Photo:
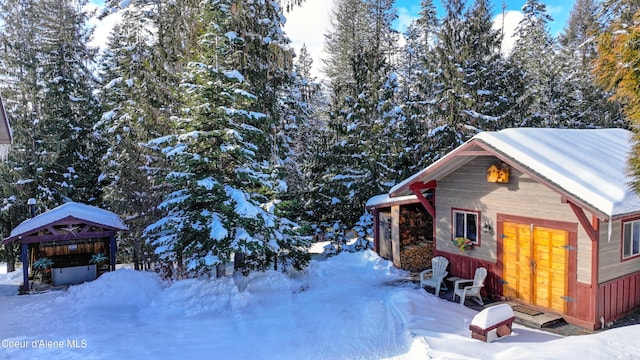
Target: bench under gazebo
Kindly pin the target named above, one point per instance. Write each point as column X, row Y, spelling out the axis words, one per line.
column 77, row 240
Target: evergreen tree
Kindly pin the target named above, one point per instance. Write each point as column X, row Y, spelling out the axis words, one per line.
column 417, row 89
column 59, row 104
column 488, row 80
column 305, row 102
column 363, row 116
column 348, row 21
column 617, row 64
column 138, row 110
column 588, row 105
column 474, row 88
column 618, row 11
column 48, row 91
column 449, row 85
column 534, row 51
column 20, row 84
column 580, row 31
column 69, row 109
column 224, row 153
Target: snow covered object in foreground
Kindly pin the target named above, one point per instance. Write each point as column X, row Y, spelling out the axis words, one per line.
column 493, row 322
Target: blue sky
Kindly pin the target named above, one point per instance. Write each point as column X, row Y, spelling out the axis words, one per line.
column 558, row 9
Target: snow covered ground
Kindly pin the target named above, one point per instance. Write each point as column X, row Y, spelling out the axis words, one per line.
column 353, row 306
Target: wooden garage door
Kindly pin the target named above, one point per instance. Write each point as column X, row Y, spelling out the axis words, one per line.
column 535, row 265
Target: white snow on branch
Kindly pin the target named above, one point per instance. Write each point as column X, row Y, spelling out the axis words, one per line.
column 234, row 74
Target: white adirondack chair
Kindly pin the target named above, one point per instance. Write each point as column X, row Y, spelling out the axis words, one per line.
column 434, row 277
column 472, row 290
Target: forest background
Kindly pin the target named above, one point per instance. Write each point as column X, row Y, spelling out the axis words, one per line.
column 211, row 136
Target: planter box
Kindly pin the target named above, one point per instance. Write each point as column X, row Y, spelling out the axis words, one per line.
column 73, row 275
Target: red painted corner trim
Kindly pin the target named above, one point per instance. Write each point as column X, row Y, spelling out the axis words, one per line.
column 419, row 185
column 425, row 203
column 583, row 220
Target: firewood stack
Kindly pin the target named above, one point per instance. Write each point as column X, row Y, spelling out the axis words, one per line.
column 416, row 258
column 416, row 242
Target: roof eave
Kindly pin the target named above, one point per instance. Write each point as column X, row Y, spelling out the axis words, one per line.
column 439, row 169
column 66, row 219
column 391, row 201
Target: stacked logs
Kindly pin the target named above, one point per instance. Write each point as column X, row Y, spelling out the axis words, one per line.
column 416, row 258
column 416, row 242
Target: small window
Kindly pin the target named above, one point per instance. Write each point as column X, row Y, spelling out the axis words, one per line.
column 631, row 239
column 465, row 225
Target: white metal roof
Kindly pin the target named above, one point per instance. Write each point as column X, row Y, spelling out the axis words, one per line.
column 588, row 164
column 79, row 211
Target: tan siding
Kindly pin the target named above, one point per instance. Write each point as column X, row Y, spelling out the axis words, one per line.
column 467, row 188
column 611, row 266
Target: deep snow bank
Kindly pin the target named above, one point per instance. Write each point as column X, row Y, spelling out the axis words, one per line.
column 340, row 308
column 195, row 297
column 120, row 288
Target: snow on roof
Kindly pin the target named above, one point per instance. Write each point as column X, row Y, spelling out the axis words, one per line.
column 590, row 164
column 386, row 199
column 71, row 209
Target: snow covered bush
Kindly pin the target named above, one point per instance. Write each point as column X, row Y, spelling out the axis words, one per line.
column 364, row 232
column 341, row 239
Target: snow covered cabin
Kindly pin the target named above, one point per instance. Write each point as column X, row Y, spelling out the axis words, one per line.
column 549, row 212
column 69, row 235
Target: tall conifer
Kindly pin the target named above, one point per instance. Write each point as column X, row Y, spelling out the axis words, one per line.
column 225, row 152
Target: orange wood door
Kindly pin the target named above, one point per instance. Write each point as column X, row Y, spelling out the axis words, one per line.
column 535, row 265
column 517, row 261
column 550, row 268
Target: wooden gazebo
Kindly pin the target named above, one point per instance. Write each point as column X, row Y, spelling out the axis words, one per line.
column 69, row 235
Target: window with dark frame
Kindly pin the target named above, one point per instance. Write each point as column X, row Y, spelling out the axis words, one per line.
column 630, row 239
column 466, row 225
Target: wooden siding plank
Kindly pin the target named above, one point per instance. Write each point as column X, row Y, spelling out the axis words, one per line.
column 611, row 265
column 619, row 297
column 583, row 308
column 395, row 235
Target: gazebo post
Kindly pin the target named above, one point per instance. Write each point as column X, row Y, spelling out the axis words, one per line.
column 24, row 257
column 112, row 249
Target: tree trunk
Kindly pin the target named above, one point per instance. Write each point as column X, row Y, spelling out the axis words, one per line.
column 238, row 261
column 11, row 257
column 136, row 255
column 11, row 264
column 221, row 270
column 179, row 265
